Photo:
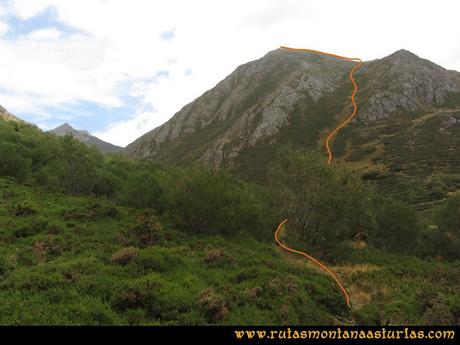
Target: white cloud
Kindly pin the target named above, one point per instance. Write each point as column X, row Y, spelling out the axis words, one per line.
column 120, row 49
column 125, row 131
column 27, row 9
column 3, row 28
column 45, row 34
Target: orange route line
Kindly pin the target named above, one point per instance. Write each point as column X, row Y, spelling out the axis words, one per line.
column 319, row 263
column 355, row 90
column 329, row 161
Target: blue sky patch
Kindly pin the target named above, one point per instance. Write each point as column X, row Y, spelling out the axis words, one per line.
column 168, row 35
column 48, row 18
column 90, row 116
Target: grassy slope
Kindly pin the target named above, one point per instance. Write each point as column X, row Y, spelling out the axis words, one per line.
column 56, row 267
column 406, row 151
column 416, row 163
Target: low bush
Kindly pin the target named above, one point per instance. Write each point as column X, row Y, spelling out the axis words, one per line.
column 13, row 163
column 210, row 202
column 124, row 255
column 399, row 227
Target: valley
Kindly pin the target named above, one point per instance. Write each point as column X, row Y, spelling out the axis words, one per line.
column 177, row 228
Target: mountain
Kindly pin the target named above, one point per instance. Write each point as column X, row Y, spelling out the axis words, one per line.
column 407, row 128
column 91, row 240
column 6, row 116
column 85, row 137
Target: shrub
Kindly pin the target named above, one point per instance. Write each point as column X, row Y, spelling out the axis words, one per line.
column 22, row 210
column 447, row 218
column 218, row 258
column 211, row 202
column 371, row 175
column 148, row 231
column 144, row 190
column 159, row 259
column 161, row 300
column 212, row 305
column 93, row 211
column 32, row 228
column 74, row 170
column 399, row 227
column 106, row 184
column 324, row 205
column 124, row 255
column 12, row 163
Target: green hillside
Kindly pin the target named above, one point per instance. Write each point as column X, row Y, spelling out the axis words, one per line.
column 412, row 157
column 93, row 239
column 405, row 138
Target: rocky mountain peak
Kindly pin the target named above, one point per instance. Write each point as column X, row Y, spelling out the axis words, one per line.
column 402, row 54
column 403, row 82
column 65, row 127
column 251, row 104
column 85, row 137
column 261, row 98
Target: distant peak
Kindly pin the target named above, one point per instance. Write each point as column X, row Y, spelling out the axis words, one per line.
column 65, row 128
column 402, row 54
column 65, row 125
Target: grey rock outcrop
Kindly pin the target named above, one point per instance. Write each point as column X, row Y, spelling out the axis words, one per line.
column 251, row 104
column 404, row 82
column 448, row 123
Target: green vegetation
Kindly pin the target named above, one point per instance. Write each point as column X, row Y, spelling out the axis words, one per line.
column 321, row 217
column 93, row 239
column 453, row 100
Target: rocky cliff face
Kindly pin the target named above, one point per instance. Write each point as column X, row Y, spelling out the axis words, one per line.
column 404, row 82
column 85, row 137
column 258, row 100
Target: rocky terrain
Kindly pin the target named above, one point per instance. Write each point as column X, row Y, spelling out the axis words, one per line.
column 259, row 98
column 251, row 104
column 404, row 82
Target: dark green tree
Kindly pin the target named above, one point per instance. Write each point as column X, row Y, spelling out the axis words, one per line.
column 399, row 227
column 12, row 162
column 325, row 205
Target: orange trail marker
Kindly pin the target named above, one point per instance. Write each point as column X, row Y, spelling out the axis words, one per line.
column 329, row 161
column 319, row 263
column 331, row 135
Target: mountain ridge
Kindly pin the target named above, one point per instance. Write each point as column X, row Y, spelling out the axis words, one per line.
column 308, row 77
column 404, row 136
column 7, row 116
column 85, row 137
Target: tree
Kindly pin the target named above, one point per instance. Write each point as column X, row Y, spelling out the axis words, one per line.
column 447, row 216
column 325, row 205
column 12, row 163
column 205, row 201
column 399, row 227
column 447, row 219
column 75, row 166
column 145, row 189
column 106, row 184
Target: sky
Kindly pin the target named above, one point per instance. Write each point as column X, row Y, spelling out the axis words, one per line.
column 120, row 68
